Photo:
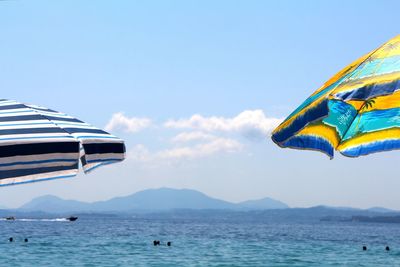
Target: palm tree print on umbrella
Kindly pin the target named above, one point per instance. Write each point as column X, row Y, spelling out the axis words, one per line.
column 369, row 103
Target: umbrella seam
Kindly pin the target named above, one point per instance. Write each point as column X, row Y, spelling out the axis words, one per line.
column 330, row 96
column 69, row 134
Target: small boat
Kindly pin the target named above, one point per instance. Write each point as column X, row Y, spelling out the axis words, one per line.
column 72, row 218
column 11, row 218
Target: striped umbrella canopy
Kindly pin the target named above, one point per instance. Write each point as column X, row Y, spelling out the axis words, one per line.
column 39, row 144
column 356, row 112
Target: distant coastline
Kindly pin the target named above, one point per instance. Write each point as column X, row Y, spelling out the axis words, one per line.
column 189, row 204
column 161, row 199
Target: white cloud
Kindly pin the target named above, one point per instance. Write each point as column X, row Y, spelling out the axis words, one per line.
column 139, row 153
column 202, row 150
column 218, row 145
column 192, row 136
column 132, row 125
column 251, row 123
column 206, row 136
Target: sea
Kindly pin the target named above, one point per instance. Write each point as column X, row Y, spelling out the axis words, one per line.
column 95, row 240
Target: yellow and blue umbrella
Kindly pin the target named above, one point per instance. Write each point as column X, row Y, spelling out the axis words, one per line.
column 356, row 112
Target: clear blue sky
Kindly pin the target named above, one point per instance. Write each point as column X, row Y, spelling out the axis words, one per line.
column 168, row 60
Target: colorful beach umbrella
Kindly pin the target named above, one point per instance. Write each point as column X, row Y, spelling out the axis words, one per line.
column 39, row 144
column 356, row 112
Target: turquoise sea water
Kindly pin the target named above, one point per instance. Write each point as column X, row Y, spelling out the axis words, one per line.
column 128, row 241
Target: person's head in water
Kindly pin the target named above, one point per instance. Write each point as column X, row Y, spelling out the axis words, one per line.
column 26, row 240
column 155, row 242
column 364, row 248
column 387, row 248
column 11, row 239
column 169, row 243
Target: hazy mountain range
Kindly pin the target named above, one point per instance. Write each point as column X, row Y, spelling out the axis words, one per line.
column 185, row 203
column 162, row 199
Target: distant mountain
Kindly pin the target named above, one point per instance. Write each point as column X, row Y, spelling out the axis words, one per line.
column 53, row 204
column 263, row 204
column 381, row 210
column 148, row 200
column 193, row 205
column 373, row 209
column 162, row 199
column 173, row 200
column 338, row 208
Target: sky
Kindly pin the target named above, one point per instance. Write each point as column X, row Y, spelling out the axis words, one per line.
column 195, row 89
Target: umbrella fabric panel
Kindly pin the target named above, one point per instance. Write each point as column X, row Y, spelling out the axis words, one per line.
column 355, row 112
column 18, row 123
column 376, row 127
column 324, row 135
column 29, row 162
column 32, row 148
column 97, row 146
column 314, row 107
column 38, row 144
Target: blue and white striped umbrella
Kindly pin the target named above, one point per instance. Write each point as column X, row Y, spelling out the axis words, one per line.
column 39, row 144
